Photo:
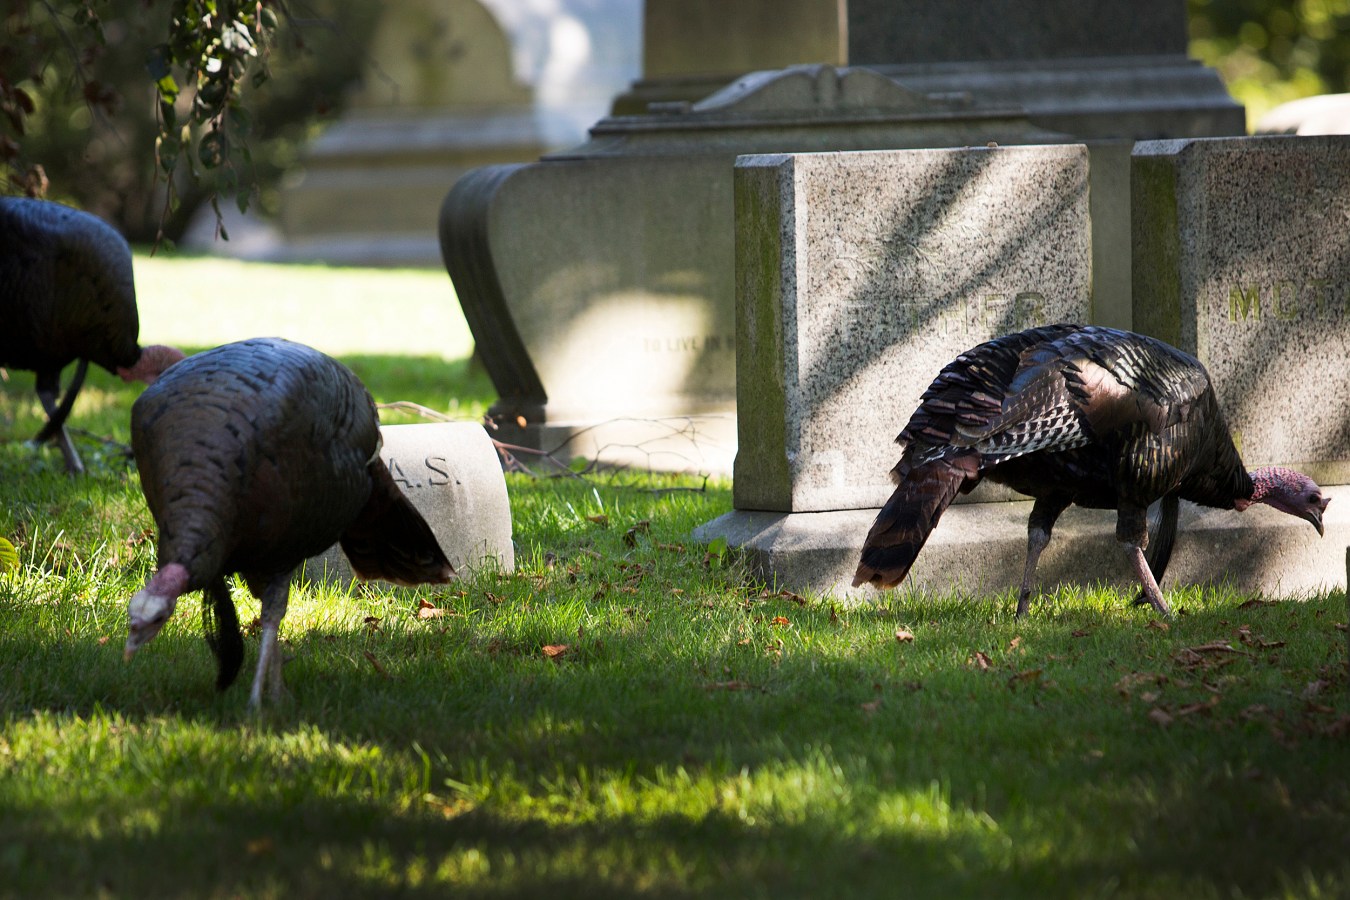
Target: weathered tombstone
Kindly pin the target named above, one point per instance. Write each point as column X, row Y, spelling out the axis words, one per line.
column 859, row 275
column 1241, row 259
column 599, row 283
column 439, row 99
column 1237, row 261
column 451, row 472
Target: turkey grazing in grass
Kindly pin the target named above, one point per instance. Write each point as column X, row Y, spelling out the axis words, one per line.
column 1073, row 414
column 253, row 457
column 67, row 295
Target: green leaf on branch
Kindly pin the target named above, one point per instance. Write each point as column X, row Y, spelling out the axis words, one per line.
column 9, row 556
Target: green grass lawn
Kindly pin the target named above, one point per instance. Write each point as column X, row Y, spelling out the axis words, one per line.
column 627, row 714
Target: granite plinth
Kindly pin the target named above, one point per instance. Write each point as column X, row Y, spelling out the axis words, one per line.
column 980, row 549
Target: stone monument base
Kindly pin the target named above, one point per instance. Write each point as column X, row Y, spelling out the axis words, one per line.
column 980, row 548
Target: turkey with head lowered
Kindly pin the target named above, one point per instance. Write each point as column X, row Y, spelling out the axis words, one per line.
column 67, row 295
column 1072, row 414
column 255, row 456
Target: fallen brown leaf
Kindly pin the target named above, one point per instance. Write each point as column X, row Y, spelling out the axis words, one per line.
column 259, row 846
column 1158, row 626
column 599, row 519
column 1026, row 677
column 372, row 622
column 1150, row 696
column 904, row 636
column 1137, row 679
column 980, row 660
column 1079, row 633
column 1160, row 715
column 555, row 651
column 1204, row 706
column 1015, row 642
column 103, row 640
column 781, row 622
column 375, row 663
column 734, row 685
column 630, row 536
column 871, row 706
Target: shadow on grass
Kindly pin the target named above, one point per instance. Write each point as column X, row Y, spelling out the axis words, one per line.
column 638, row 765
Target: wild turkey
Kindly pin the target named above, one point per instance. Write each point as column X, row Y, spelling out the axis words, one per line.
column 67, row 295
column 253, row 457
column 1072, row 414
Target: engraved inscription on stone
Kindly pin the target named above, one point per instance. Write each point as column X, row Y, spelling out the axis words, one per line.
column 1286, row 300
column 978, row 316
column 433, row 472
column 713, row 343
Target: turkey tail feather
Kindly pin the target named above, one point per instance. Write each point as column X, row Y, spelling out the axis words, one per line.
column 220, row 622
column 1164, row 536
column 390, row 540
column 909, row 516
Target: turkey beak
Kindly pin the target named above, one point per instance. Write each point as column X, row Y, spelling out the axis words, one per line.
column 1314, row 515
column 148, row 613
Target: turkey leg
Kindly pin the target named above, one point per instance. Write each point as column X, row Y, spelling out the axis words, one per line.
column 1132, row 531
column 1039, row 525
column 1151, row 591
column 48, row 386
column 274, row 598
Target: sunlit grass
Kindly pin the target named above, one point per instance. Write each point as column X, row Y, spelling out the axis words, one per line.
column 339, row 310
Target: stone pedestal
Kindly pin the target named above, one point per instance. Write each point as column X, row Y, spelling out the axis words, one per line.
column 978, row 549
column 452, row 474
column 694, row 48
column 1234, row 263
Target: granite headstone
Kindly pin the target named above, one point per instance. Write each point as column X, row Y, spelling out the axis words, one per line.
column 1242, row 257
column 452, row 473
column 859, row 275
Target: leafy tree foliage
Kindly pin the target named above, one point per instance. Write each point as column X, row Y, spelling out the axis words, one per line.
column 141, row 110
column 1273, row 51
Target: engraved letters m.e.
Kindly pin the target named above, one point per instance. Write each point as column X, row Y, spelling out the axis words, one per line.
column 1284, row 300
